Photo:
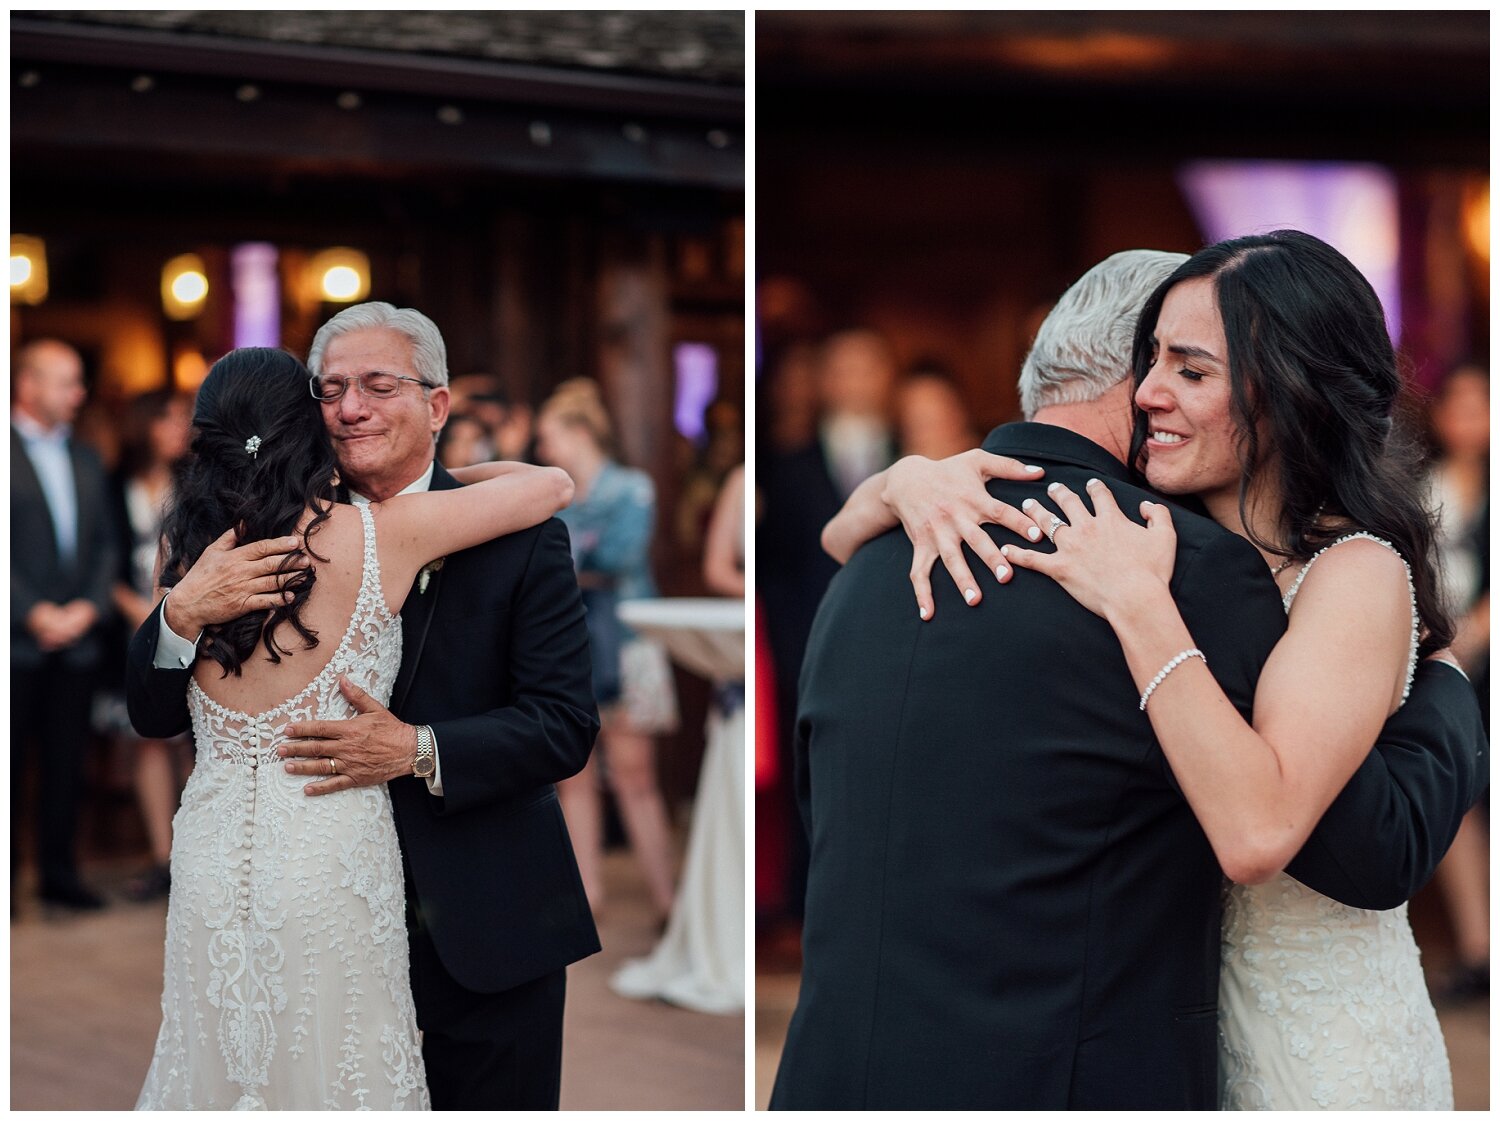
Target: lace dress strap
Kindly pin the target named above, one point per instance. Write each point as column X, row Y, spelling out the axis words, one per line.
column 1411, row 587
column 369, row 581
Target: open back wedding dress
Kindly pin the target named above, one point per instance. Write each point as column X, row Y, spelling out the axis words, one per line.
column 287, row 974
column 1323, row 1006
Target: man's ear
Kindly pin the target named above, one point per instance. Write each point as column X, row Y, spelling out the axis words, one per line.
column 439, row 401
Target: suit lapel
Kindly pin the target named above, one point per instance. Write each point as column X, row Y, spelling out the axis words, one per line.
column 20, row 464
column 23, row 471
column 416, row 620
column 417, row 612
column 83, row 503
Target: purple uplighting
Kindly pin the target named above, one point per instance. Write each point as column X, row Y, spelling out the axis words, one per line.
column 697, row 367
column 1350, row 206
column 257, row 295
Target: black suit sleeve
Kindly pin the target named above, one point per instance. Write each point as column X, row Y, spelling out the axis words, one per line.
column 1387, row 830
column 547, row 733
column 155, row 698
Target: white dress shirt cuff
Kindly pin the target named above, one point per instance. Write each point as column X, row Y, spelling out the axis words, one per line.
column 435, row 782
column 172, row 650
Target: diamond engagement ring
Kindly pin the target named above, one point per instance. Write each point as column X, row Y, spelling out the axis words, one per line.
column 1051, row 529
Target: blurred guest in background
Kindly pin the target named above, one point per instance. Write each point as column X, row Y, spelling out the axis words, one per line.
column 515, row 433
column 157, row 429
column 856, row 373
column 510, row 423
column 704, row 471
column 792, row 398
column 804, row 487
column 1460, row 426
column 724, row 550
column 464, row 441
column 611, row 522
column 61, row 568
column 931, row 416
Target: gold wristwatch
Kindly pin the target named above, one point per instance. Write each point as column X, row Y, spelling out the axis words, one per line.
column 425, row 763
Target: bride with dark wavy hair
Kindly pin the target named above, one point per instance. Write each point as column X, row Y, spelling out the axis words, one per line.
column 1266, row 386
column 286, row 973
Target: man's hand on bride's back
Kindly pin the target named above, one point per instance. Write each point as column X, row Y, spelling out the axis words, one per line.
column 228, row 581
column 942, row 503
column 372, row 746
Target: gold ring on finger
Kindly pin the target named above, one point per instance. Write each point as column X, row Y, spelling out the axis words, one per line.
column 333, row 766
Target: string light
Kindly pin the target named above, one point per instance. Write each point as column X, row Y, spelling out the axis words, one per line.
column 184, row 286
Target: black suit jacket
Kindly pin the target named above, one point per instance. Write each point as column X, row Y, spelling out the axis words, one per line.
column 37, row 573
column 495, row 658
column 800, row 496
column 1010, row 904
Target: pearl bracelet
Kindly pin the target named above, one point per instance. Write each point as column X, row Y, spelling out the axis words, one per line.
column 1168, row 668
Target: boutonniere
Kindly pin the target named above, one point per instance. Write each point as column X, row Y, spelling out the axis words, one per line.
column 426, row 574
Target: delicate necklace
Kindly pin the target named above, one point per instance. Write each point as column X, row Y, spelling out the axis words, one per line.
column 1284, row 565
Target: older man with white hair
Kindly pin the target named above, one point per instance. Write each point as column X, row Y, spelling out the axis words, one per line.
column 492, row 705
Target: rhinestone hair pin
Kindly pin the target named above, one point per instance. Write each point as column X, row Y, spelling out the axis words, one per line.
column 252, row 447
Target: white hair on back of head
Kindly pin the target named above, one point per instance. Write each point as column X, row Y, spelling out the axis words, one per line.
column 1082, row 348
column 428, row 354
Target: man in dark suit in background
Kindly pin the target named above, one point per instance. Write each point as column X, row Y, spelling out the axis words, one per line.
column 1010, row 903
column 802, row 489
column 493, row 704
column 62, row 561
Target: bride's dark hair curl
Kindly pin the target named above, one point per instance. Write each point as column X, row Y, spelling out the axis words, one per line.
column 1316, row 394
column 252, row 393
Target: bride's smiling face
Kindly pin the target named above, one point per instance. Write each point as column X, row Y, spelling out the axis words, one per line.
column 1193, row 439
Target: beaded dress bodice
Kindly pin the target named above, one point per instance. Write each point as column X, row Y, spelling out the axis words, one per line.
column 1324, row 1006
column 286, row 971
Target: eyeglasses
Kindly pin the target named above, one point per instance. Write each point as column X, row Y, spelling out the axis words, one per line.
column 372, row 385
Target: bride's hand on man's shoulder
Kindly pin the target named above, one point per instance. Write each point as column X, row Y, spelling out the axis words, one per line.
column 942, row 505
column 1101, row 557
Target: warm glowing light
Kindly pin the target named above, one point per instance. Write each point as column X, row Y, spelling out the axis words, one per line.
column 190, row 287
column 341, row 283
column 189, row 368
column 1477, row 221
column 340, row 275
column 28, row 269
column 184, row 286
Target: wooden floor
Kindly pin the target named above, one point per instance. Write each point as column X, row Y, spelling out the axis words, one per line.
column 85, row 1007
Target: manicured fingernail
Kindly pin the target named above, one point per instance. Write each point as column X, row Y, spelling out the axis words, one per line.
column 969, row 595
column 1033, row 533
column 1028, row 504
column 1032, row 467
column 1001, row 572
column 289, row 769
column 1052, row 487
column 922, row 612
column 1005, row 550
column 1093, row 482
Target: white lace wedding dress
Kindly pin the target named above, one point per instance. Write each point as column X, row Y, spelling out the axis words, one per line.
column 1323, row 1006
column 287, row 974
